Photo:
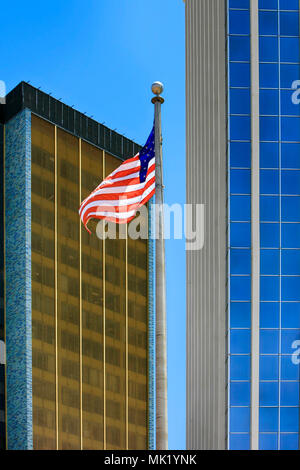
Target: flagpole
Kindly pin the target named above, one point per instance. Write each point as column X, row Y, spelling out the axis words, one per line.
column 160, row 283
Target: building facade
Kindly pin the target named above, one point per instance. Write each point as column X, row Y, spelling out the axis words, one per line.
column 243, row 163
column 77, row 310
column 2, row 349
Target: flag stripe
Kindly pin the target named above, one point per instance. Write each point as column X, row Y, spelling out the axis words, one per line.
column 107, row 196
column 120, row 217
column 111, row 182
column 117, row 188
column 120, row 202
column 104, row 206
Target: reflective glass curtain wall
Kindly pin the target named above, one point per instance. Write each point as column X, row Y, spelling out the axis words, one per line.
column 239, row 213
column 89, row 317
column 280, row 217
column 43, row 284
column 279, row 75
column 2, row 366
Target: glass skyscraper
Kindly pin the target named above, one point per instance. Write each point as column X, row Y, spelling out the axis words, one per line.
column 244, row 55
column 76, row 311
column 2, row 359
column 279, row 192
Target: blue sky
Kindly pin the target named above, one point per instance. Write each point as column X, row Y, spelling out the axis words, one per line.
column 102, row 56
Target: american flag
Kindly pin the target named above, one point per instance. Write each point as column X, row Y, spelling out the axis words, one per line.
column 127, row 188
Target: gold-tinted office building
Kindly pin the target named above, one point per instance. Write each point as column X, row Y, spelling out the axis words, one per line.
column 84, row 304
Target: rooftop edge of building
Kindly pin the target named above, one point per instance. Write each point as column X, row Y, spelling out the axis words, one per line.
column 25, row 95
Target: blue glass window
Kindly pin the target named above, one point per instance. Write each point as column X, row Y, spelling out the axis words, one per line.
column 240, row 261
column 239, row 442
column 269, row 128
column 288, row 108
column 268, row 23
column 268, row 393
column 268, row 419
column 240, row 154
column 240, row 234
column 268, row 367
column 269, row 314
column 268, row 75
column 289, row 419
column 268, row 4
column 239, row 22
column 289, row 393
column 240, row 367
column 269, row 208
column 288, row 74
column 240, row 208
column 290, row 262
column 239, row 101
column 239, row 3
column 240, row 288
column 269, row 235
column 240, row 315
column 240, row 181
column 269, row 341
column 289, row 371
column 269, row 181
column 269, row 288
column 290, row 181
column 240, row 393
column 239, row 74
column 289, row 441
column 268, row 49
column 239, row 419
column 240, row 127
column 290, row 315
column 289, row 49
column 288, row 337
column 289, row 23
column 269, row 261
column 269, row 155
column 240, row 341
column 269, row 102
column 268, row 441
column 289, row 4
column 290, row 288
column 290, row 208
column 290, row 129
column 290, row 235
column 290, row 155
column 239, row 48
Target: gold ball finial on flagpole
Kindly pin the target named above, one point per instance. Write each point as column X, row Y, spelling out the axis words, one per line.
column 157, row 88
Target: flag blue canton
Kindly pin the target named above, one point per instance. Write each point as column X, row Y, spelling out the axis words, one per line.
column 146, row 154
